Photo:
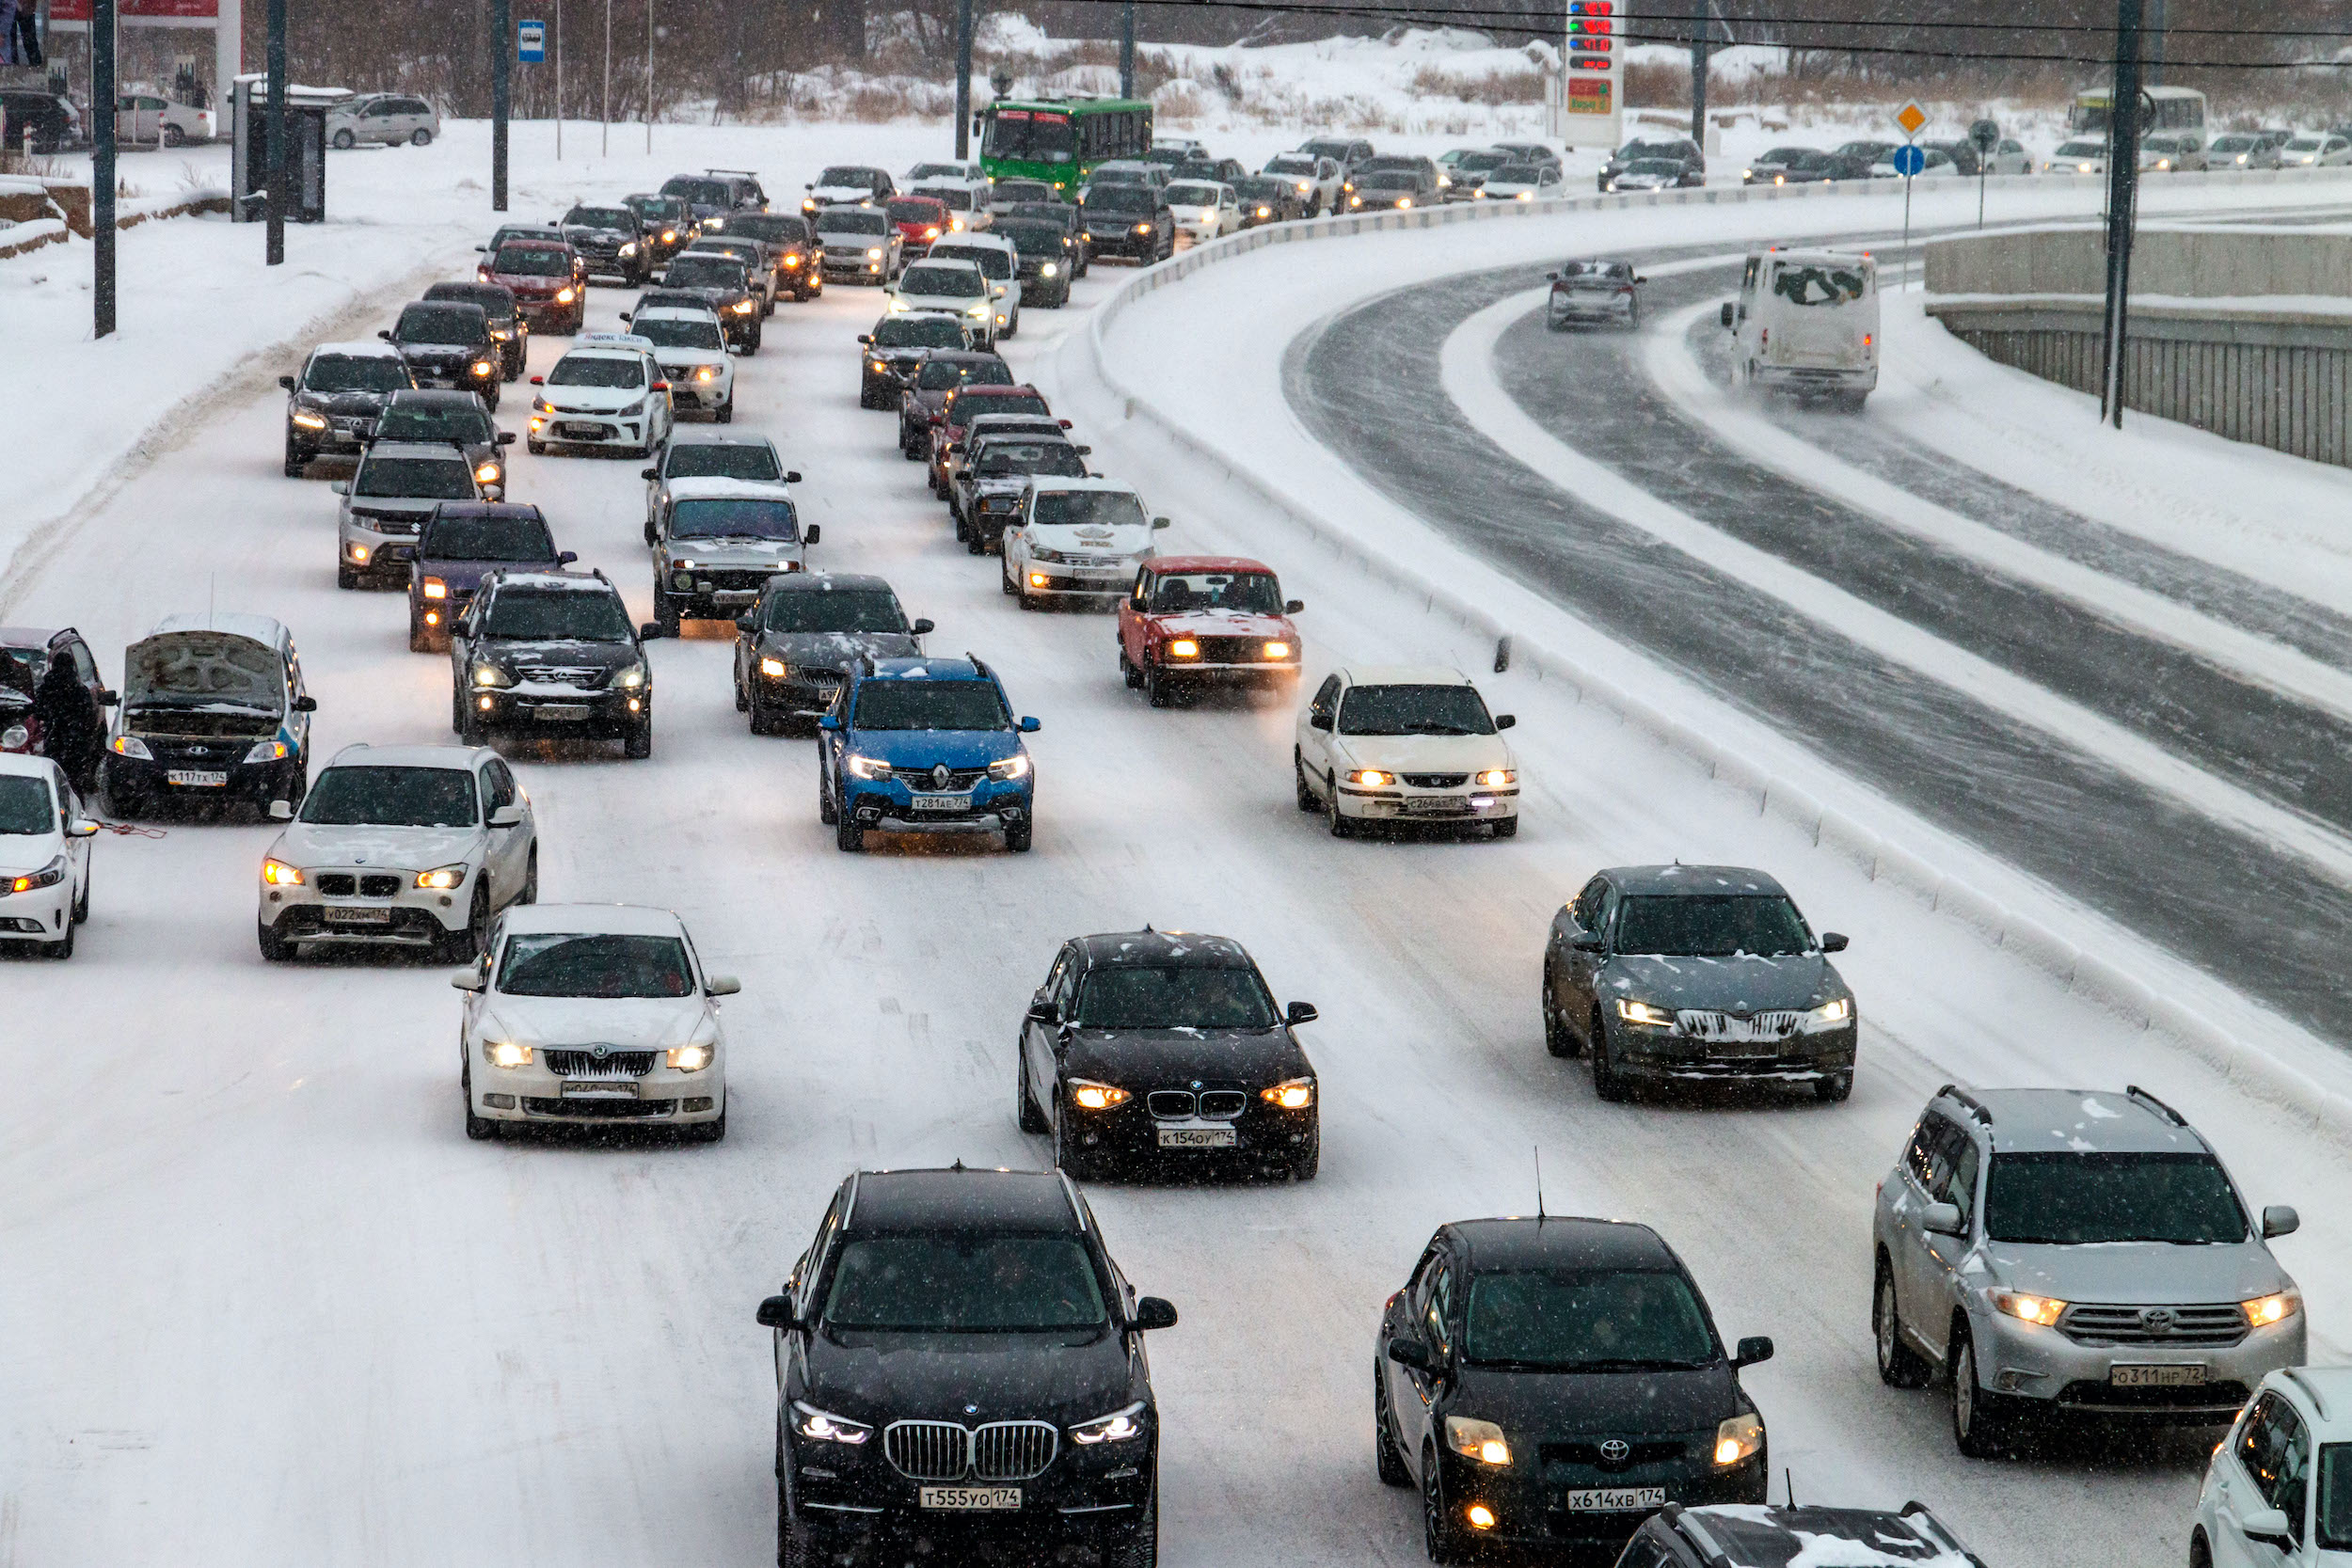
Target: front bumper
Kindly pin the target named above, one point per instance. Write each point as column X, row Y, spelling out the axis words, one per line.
column 855, row 264
column 1531, row 1503
column 719, row 593
column 2047, row 1366
column 39, row 914
column 850, row 1499
column 1143, row 247
column 376, row 553
column 1046, row 579
column 992, row 803
column 546, row 313
column 342, row 434
column 1267, row 673
column 1663, row 1055
column 615, row 432
column 154, row 778
column 557, row 711
column 661, row 1096
column 1405, row 803
column 799, row 689
column 1260, row 1135
column 383, row 908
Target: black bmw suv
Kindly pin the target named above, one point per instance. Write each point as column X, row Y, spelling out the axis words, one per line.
column 1544, row 1382
column 1166, row 1046
column 550, row 655
column 960, row 1375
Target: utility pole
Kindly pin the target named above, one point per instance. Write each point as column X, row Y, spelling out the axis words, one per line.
column 275, row 246
column 608, row 78
column 501, row 96
column 648, row 76
column 1127, row 49
column 559, row 81
column 963, row 79
column 2154, row 75
column 102, row 166
column 1698, row 76
column 2123, row 204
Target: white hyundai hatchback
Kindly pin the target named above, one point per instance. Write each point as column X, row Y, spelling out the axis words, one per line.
column 1404, row 744
column 44, row 854
column 582, row 1014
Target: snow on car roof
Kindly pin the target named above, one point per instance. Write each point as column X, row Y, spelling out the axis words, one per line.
column 1053, row 484
column 969, row 241
column 1407, row 674
column 18, row 765
column 229, row 623
column 2075, row 1121
column 361, row 754
column 628, row 920
column 576, row 582
column 924, row 669
column 378, row 350
column 422, row 450
column 1669, row 879
column 706, row 486
column 680, row 311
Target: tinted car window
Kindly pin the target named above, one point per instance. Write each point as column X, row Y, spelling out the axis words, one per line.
column 1242, row 592
column 558, row 614
column 992, row 261
column 852, row 220
column 531, row 261
column 391, row 798
column 337, row 373
column 1414, row 710
column 1179, row 997
column 773, row 227
column 601, row 217
column 708, row 193
column 415, row 478
column 918, row 705
column 2079, row 1199
column 1087, row 509
column 1711, row 926
column 486, row 539
column 937, row 374
column 964, row 1285
column 1051, row 458
column 24, row 806
column 948, row 282
column 918, row 331
column 851, row 610
column 597, row 370
column 722, row 460
column 733, row 517
column 1136, row 199
column 607, row 967
column 705, row 271
column 433, row 421
column 1587, row 1322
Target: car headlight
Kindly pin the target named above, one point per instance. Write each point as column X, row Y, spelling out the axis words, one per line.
column 1495, row 778
column 1276, row 650
column 309, row 421
column 932, row 233
column 741, row 307
column 506, row 1053
column 823, row 1427
column 442, row 878
column 1304, row 187
column 874, row 253
column 1184, row 647
column 565, row 296
column 15, row 736
column 714, row 224
column 1015, row 767
column 628, row 248
column 2045, row 1310
column 793, row 259
column 631, row 678
column 1475, row 1439
column 2264, row 1310
column 541, row 406
column 357, row 553
column 1092, row 1096
column 1737, row 1439
column 867, row 767
column 1120, row 1426
column 1049, row 270
column 1643, row 1013
column 706, row 374
column 1266, row 211
column 276, row 873
column 266, row 750
column 1143, row 229
column 1295, row 1094
column 774, row 669
column 692, row 1058
column 484, row 368
column 489, row 473
column 485, row 674
column 669, row 236
column 1830, row 1015
column 1372, row 778
column 130, row 746
column 978, row 308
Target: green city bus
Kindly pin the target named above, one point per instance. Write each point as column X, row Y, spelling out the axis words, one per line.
column 1060, row 140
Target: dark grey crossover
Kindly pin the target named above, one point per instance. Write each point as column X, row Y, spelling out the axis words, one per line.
column 795, row 647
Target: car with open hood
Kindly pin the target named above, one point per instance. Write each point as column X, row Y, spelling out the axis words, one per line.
column 610, row 239
column 960, row 1377
column 1405, row 745
column 1162, row 1051
column 922, row 745
column 1079, row 539
column 797, row 255
column 413, row 846
column 455, row 418
column 861, row 245
column 592, row 1015
column 1002, row 452
column 45, row 834
column 797, row 645
column 333, row 403
column 397, row 487
column 462, row 542
column 897, row 345
column 606, row 394
column 722, row 285
column 52, row 701
column 1544, row 1382
column 1696, row 974
column 1197, row 621
column 550, row 655
column 717, row 543
column 690, row 343
column 213, row 709
column 546, row 276
column 938, row 377
column 849, row 185
column 508, row 329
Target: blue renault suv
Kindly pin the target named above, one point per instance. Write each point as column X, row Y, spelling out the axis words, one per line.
column 925, row 744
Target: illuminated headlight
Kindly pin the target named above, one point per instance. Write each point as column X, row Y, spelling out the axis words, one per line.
column 867, row 767
column 1358, row 201
column 1266, row 211
column 1523, row 195
column 130, row 746
column 932, row 233
column 1121, row 1426
column 541, row 406
column 266, row 750
column 628, row 248
column 1643, row 1014
column 631, row 678
column 979, row 310
column 489, row 473
column 48, row 876
column 714, row 224
column 774, row 669
column 1371, row 777
column 1049, row 270
column 1009, row 767
column 1829, row 1015
column 2043, row 1310
column 705, row 373
column 276, row 873
column 1143, row 229
column 1403, row 201
column 357, row 553
column 1304, row 187
column 565, row 296
column 1737, row 1439
column 792, row 261
column 741, row 307
column 1184, row 647
column 1475, row 1439
column 819, row 1426
column 1294, row 1095
column 1276, row 650
column 490, row 674
column 483, row 367
column 2262, row 1311
column 669, row 236
column 1495, row 778
column 2085, row 168
column 309, row 421
column 442, row 878
column 506, row 1053
column 692, row 1058
column 874, row 253
column 1090, row 1095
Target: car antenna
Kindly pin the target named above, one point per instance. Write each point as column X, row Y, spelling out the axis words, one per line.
column 1539, row 1183
column 959, row 1164
column 1788, row 1480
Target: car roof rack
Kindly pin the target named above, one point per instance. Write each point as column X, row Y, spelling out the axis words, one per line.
column 1976, row 1108
column 2133, row 1091
column 744, row 172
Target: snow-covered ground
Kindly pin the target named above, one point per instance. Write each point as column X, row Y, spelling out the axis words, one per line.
column 266, row 1301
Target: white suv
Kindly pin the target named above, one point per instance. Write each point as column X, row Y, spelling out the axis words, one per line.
column 956, row 288
column 691, row 348
column 44, row 854
column 593, row 1013
column 1404, row 744
column 400, row 847
column 2278, row 1491
column 1000, row 264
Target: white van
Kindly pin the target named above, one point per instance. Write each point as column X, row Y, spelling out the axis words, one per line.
column 1807, row 322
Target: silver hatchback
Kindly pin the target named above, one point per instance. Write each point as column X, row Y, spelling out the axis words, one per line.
column 2075, row 1251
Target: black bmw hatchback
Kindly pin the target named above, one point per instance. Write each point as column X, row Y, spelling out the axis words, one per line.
column 960, row 1377
column 1166, row 1047
column 1546, row 1382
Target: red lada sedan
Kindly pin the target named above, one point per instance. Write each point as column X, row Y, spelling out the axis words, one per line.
column 1207, row 619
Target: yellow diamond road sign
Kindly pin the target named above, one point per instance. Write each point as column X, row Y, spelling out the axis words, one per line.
column 1911, row 118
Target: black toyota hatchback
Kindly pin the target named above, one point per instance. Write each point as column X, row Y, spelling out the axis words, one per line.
column 960, row 1377
column 1552, row 1380
column 1166, row 1047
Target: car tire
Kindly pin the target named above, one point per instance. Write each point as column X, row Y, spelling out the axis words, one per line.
column 725, row 414
column 1133, row 677
column 711, row 1131
column 344, row 141
column 751, row 344
column 637, row 745
column 847, row 837
column 345, row 579
column 1305, row 792
column 464, row 946
column 1019, row 837
column 1068, row 1158
column 1388, row 1459
column 1832, row 1088
column 742, row 696
column 467, row 726
column 422, row 139
column 536, row 449
column 665, row 612
column 1607, row 1083
column 1900, row 1366
column 974, row 543
column 81, row 901
column 1981, row 1428
column 530, row 893
column 1438, row 1534
column 1139, row 1545
column 762, row 721
column 1155, row 686
column 1332, row 816
column 1506, row 827
column 1026, row 1112
column 478, row 1129
column 1559, row 1039
column 417, row 644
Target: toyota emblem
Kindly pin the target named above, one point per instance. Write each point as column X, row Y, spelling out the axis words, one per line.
column 939, row 776
column 1615, row 1451
column 2157, row 1320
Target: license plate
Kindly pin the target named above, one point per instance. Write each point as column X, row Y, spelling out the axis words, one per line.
column 358, row 917
column 996, row 1497
column 1197, row 1137
column 585, row 432
column 561, row 712
column 196, row 777
column 2155, row 1377
column 736, row 596
column 1440, row 805
column 599, row 1088
column 1615, row 1499
column 943, row 802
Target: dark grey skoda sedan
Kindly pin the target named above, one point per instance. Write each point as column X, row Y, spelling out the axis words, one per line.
column 1696, row 974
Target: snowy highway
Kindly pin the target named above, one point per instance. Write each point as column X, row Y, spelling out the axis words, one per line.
column 267, row 1303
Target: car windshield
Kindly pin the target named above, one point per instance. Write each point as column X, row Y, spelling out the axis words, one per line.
column 2091, row 150
column 1121, row 198
column 655, row 209
column 1176, row 997
column 414, row 479
column 1087, row 509
column 24, row 806
column 1112, row 175
column 835, row 610
column 344, row 373
column 845, row 174
column 1477, row 163
column 597, row 370
column 2232, row 144
column 509, row 539
column 1056, row 458
column 204, row 668
column 920, row 330
column 1515, row 174
column 964, row 1284
column 1237, row 592
column 914, row 209
column 1010, row 191
column 954, row 200
column 1327, row 150
column 1652, row 165
column 680, row 332
column 1008, row 403
column 1188, row 193
column 923, row 704
column 705, row 271
column 1037, row 138
column 722, row 460
column 599, row 965
column 1038, row 238
column 939, row 374
column 734, row 518
column 776, row 228
column 2079, row 1199
column 852, row 220
column 1290, row 165
column 433, row 421
column 557, row 615
column 531, row 260
column 1834, row 284
column 440, row 324
column 600, row 217
column 936, row 171
column 364, row 797
column 948, row 283
column 1713, row 925
column 992, row 261
column 1786, row 155
column 1591, row 1321
column 1414, row 710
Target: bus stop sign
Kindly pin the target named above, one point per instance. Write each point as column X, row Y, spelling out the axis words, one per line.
column 530, row 42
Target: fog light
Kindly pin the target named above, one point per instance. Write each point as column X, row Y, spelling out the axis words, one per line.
column 1039, row 580
column 483, row 703
column 499, row 1102
column 1480, row 1516
column 432, row 617
column 358, row 554
column 695, row 1103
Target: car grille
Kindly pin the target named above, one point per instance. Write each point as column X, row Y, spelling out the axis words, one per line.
column 1653, row 1452
column 1232, row 650
column 946, row 1450
column 343, row 884
column 1013, row 1450
column 924, row 778
column 612, row 1109
column 585, row 677
column 1182, row 1104
column 2154, row 1326
column 385, row 522
column 587, row 1063
column 1703, row 1025
column 929, row 1450
column 1435, row 780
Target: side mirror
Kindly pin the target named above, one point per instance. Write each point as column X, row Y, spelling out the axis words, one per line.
column 1043, row 1012
column 1319, row 721
column 84, row 827
column 792, row 476
column 108, row 699
column 660, row 386
column 507, row 816
column 1942, row 1218
column 648, row 473
column 814, row 532
column 1640, row 279
column 652, row 537
column 1833, row 941
column 1160, row 523
column 1729, row 320
column 2269, row 1526
column 1083, row 452
column 1587, row 941
column 776, row 1312
column 922, row 628
column 483, row 248
column 539, row 381
column 466, row 979
column 649, row 632
column 1754, row 1348
column 828, row 721
column 1152, row 1313
column 287, row 382
column 1292, row 607
column 1504, row 720
column 1411, row 1352
column 720, row 985
column 282, row 811
column 1552, row 276
column 628, row 315
column 1030, row 726
column 745, row 625
column 305, row 705
column 1300, row 1012
column 340, row 488
column 2279, row 1220
column 385, row 334
column 507, row 438
column 564, row 558
column 866, row 337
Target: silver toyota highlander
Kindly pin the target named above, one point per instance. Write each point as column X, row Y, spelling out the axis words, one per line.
column 2073, row 1250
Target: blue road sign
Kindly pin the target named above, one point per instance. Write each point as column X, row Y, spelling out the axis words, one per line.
column 1909, row 160
column 530, row 42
